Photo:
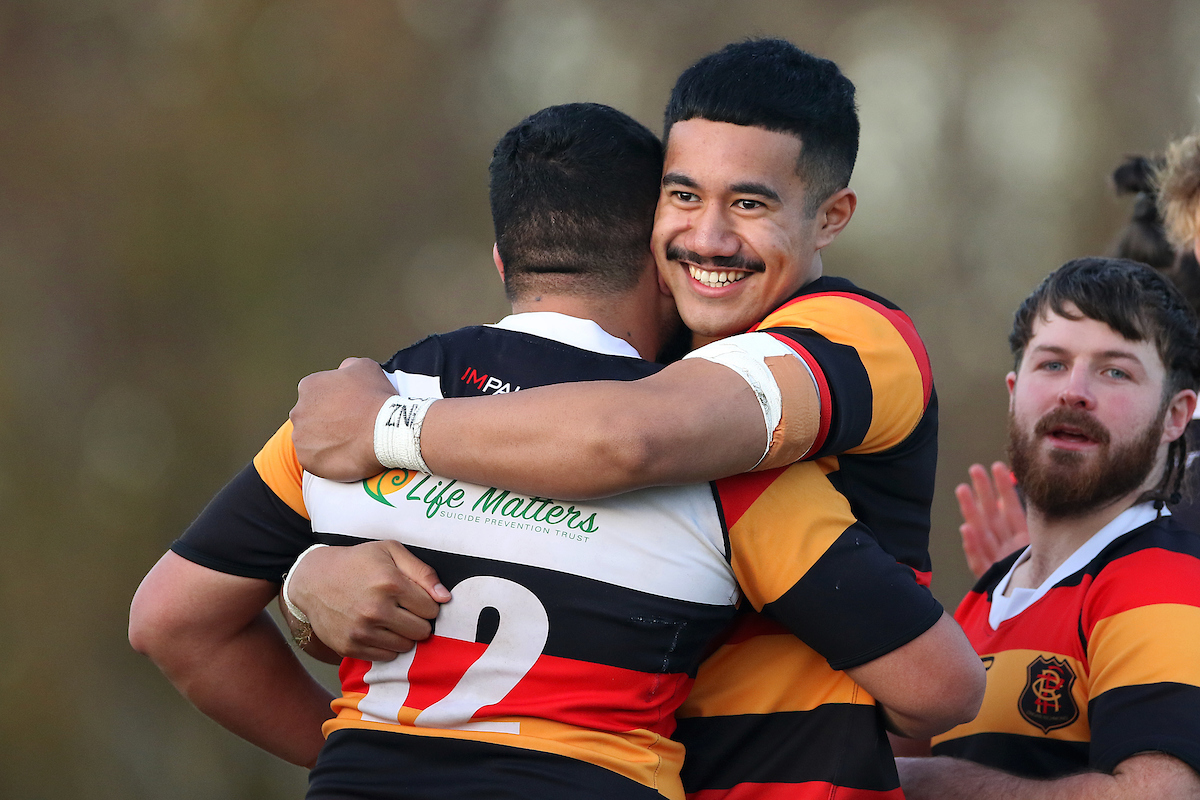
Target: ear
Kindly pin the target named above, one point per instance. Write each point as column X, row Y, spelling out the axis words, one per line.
column 1179, row 414
column 834, row 215
column 1010, row 380
column 497, row 261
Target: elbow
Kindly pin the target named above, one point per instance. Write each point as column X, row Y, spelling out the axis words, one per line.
column 951, row 698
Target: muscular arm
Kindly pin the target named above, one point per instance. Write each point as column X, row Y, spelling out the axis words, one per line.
column 928, row 685
column 1145, row 775
column 209, row 634
column 693, row 421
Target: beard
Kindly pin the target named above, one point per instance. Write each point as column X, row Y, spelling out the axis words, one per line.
column 1061, row 484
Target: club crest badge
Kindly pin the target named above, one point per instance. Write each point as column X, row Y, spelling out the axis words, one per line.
column 1047, row 702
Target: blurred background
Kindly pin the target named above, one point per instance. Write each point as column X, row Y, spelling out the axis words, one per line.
column 201, row 201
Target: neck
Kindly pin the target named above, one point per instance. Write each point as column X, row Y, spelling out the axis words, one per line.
column 1053, row 541
column 632, row 316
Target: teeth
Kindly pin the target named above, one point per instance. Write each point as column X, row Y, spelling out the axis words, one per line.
column 716, row 279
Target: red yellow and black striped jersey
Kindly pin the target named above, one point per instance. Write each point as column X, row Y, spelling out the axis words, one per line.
column 1099, row 664
column 576, row 628
column 771, row 716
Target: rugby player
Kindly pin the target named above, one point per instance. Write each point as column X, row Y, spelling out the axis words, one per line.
column 621, row 595
column 1091, row 634
column 826, row 408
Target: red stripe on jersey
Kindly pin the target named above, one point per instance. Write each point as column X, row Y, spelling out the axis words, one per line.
column 900, row 321
column 822, row 390
column 578, row 693
column 1121, row 586
column 812, row 790
column 739, row 492
column 351, row 673
column 924, row 577
column 1053, row 618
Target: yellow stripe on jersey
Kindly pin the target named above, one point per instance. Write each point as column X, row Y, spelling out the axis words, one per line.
column 280, row 469
column 772, row 545
column 639, row 755
column 1007, row 679
column 898, row 394
column 1149, row 644
column 767, row 673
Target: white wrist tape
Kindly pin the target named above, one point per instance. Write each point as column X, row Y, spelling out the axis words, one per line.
column 746, row 355
column 287, row 580
column 398, row 432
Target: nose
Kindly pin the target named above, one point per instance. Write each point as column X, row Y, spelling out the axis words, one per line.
column 1077, row 391
column 711, row 234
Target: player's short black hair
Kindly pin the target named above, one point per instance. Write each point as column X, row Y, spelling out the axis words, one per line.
column 573, row 191
column 772, row 84
column 1137, row 302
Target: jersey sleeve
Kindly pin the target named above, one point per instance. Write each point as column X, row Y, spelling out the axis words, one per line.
column 803, row 559
column 870, row 367
column 257, row 524
column 1142, row 627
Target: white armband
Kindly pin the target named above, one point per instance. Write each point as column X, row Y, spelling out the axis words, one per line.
column 287, row 581
column 398, row 432
column 747, row 354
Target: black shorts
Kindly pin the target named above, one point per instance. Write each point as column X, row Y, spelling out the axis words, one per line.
column 377, row 765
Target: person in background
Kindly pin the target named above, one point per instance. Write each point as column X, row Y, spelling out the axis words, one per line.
column 1161, row 233
column 1091, row 634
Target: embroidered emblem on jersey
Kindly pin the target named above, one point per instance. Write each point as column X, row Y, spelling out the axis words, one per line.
column 1047, row 702
column 487, row 384
column 388, row 482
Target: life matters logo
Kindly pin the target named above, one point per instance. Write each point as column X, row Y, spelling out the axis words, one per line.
column 493, row 505
column 387, row 483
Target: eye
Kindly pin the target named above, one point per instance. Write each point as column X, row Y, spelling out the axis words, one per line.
column 1117, row 373
column 747, row 204
column 1052, row 366
column 685, row 197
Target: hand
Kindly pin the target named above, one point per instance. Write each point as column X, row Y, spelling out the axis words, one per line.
column 993, row 518
column 370, row 601
column 334, row 420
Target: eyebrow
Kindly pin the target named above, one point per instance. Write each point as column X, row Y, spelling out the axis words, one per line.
column 679, row 179
column 1055, row 349
column 744, row 187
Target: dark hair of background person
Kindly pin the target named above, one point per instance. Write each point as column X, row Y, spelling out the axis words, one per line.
column 1137, row 302
column 1145, row 237
column 573, row 190
column 772, row 84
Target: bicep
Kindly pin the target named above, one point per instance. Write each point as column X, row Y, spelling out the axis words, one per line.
column 181, row 607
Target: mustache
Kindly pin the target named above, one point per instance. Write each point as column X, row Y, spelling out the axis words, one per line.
column 1082, row 421
column 737, row 261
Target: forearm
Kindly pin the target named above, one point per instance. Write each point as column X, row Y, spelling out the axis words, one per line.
column 927, row 686
column 208, row 633
column 1143, row 776
column 253, row 685
column 594, row 439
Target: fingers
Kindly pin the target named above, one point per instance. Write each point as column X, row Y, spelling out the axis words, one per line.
column 420, row 574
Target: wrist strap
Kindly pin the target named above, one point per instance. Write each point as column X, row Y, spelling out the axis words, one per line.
column 287, row 579
column 398, row 432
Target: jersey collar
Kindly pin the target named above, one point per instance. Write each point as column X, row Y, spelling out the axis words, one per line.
column 582, row 333
column 1018, row 600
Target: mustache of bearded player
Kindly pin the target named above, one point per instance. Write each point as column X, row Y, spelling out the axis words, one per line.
column 1079, row 421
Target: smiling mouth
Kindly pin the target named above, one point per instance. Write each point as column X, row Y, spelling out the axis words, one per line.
column 716, row 278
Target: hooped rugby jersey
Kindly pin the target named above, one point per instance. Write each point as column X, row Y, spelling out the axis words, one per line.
column 575, row 628
column 769, row 717
column 1100, row 666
